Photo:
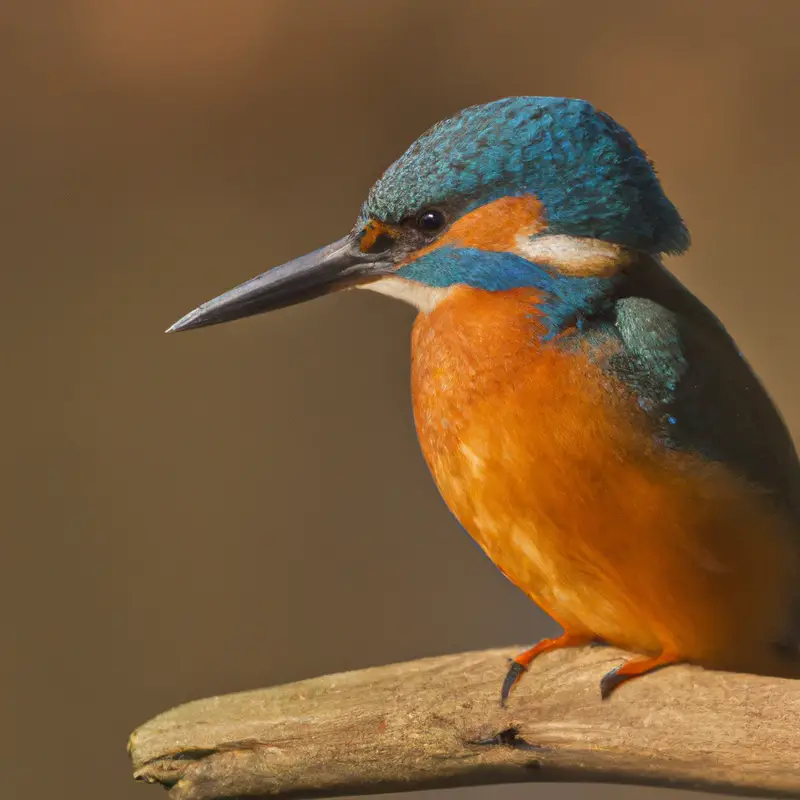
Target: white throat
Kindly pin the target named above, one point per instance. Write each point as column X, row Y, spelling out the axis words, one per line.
column 423, row 297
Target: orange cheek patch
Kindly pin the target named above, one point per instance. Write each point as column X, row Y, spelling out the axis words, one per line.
column 495, row 226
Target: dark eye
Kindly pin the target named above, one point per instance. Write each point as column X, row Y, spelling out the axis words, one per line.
column 430, row 220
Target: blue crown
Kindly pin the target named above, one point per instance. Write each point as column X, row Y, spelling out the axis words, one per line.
column 588, row 172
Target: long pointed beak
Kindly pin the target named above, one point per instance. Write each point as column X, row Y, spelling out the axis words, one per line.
column 338, row 266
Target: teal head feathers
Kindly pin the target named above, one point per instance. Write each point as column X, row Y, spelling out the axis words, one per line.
column 525, row 191
column 587, row 171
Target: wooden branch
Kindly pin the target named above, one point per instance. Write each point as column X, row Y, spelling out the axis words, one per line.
column 437, row 722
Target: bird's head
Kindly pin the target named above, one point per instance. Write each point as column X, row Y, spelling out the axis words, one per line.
column 525, row 191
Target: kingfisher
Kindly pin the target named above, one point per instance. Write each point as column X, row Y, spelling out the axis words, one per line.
column 588, row 420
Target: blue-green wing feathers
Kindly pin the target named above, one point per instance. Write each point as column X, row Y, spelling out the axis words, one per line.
column 690, row 377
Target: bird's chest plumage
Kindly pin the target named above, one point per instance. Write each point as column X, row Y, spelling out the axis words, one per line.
column 505, row 423
column 552, row 467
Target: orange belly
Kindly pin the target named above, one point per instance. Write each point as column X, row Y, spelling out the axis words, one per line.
column 553, row 468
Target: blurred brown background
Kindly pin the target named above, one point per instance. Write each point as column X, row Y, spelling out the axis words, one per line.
column 245, row 506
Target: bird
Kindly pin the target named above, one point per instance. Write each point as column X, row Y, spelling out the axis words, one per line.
column 585, row 417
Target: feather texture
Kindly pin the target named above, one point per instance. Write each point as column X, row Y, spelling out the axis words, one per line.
column 545, row 451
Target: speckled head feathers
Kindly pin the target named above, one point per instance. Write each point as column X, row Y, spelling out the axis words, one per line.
column 588, row 172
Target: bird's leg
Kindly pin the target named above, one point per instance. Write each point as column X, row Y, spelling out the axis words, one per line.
column 633, row 668
column 520, row 664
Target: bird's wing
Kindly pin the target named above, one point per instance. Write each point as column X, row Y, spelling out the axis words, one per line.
column 688, row 374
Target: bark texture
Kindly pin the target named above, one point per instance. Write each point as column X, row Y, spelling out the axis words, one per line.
column 437, row 722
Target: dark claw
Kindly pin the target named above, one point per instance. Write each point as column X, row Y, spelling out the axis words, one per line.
column 609, row 682
column 512, row 676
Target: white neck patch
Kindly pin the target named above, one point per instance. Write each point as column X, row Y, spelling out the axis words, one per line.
column 572, row 255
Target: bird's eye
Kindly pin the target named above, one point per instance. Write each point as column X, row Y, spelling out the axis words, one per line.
column 430, row 220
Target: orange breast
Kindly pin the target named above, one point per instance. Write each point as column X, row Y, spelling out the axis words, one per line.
column 553, row 468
